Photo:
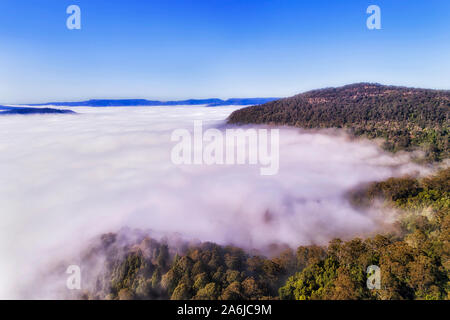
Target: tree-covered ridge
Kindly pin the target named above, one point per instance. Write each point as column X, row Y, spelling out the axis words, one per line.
column 414, row 260
column 151, row 269
column 406, row 118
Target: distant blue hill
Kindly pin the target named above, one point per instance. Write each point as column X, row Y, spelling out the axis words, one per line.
column 25, row 111
column 144, row 102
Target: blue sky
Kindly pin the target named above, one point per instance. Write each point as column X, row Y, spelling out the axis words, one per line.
column 175, row 49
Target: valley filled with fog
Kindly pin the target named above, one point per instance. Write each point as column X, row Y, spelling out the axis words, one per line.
column 66, row 178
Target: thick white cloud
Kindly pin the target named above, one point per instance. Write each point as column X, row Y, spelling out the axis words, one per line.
column 67, row 178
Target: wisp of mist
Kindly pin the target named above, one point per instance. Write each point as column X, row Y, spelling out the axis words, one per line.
column 68, row 178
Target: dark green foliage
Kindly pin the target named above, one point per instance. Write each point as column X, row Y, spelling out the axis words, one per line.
column 394, row 189
column 148, row 270
column 414, row 264
column 406, row 118
column 409, row 193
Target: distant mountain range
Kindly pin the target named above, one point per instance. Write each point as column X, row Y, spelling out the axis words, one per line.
column 143, row 102
column 24, row 111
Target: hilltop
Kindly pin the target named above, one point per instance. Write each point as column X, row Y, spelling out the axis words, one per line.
column 406, row 118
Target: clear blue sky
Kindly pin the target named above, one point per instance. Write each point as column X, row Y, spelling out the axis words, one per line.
column 174, row 49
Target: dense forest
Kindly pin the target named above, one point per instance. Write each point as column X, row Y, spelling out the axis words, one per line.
column 414, row 258
column 405, row 118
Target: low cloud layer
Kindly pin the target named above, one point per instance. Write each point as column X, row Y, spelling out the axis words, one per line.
column 68, row 178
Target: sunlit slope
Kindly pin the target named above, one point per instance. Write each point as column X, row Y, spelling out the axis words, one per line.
column 406, row 118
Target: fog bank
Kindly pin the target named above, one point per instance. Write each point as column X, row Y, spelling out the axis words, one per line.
column 68, row 178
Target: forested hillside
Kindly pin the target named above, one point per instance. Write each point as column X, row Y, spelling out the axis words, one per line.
column 414, row 260
column 151, row 269
column 413, row 256
column 406, row 118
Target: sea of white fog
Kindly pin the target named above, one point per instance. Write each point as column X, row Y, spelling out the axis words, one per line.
column 66, row 178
